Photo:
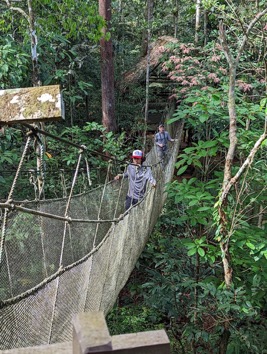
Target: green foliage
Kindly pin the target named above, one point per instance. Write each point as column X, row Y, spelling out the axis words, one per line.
column 95, row 139
column 196, row 200
column 66, row 34
column 60, row 160
column 9, row 157
column 183, row 260
column 210, row 108
column 132, row 319
column 13, row 63
column 76, row 19
column 180, row 281
column 182, row 285
column 196, row 156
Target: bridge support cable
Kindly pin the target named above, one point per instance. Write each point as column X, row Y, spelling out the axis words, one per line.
column 120, row 191
column 101, row 202
column 88, row 172
column 68, row 206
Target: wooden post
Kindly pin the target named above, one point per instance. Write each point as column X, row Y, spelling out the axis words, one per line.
column 91, row 335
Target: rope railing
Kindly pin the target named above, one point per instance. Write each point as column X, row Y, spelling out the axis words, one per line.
column 68, row 219
column 62, row 269
column 101, row 202
column 12, row 205
column 59, row 272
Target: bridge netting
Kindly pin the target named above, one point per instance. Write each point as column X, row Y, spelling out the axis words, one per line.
column 70, row 255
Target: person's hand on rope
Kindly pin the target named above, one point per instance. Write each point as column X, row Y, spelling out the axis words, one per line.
column 118, row 177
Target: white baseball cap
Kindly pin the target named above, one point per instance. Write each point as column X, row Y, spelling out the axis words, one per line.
column 137, row 154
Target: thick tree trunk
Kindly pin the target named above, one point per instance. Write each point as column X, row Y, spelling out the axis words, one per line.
column 107, row 71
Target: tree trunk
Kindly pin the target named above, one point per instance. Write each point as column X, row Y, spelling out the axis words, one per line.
column 107, row 70
column 35, row 69
column 176, row 18
column 150, row 6
column 197, row 27
column 224, row 340
column 205, row 25
column 232, row 125
column 40, row 142
column 146, row 31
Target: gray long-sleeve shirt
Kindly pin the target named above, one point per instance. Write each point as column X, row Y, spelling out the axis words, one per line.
column 138, row 176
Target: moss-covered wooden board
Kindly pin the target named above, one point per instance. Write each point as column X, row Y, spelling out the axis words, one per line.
column 31, row 104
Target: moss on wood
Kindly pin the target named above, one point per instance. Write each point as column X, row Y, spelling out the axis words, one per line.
column 32, row 104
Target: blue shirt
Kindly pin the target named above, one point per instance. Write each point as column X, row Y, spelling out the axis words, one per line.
column 162, row 138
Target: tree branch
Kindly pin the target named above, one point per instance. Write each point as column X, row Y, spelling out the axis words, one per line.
column 245, row 37
column 225, row 46
column 18, row 9
column 245, row 165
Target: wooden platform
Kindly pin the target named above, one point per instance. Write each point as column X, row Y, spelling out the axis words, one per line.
column 31, row 104
column 91, row 335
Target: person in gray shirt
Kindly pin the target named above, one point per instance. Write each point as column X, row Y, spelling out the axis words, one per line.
column 138, row 176
column 161, row 141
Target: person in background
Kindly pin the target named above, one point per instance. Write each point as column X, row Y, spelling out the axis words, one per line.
column 138, row 176
column 161, row 141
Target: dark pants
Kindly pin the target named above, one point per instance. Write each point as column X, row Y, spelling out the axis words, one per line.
column 162, row 154
column 130, row 202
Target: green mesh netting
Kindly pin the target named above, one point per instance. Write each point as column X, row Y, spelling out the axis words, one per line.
column 39, row 297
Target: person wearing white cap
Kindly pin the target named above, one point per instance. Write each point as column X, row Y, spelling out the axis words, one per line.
column 138, row 176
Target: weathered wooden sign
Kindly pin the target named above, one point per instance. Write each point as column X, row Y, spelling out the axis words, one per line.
column 31, row 104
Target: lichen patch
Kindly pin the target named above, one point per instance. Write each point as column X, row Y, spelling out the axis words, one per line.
column 15, row 99
column 46, row 97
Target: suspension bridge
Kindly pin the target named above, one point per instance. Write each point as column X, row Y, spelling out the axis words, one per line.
column 64, row 256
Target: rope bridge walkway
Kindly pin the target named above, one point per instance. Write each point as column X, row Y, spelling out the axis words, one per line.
column 59, row 257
